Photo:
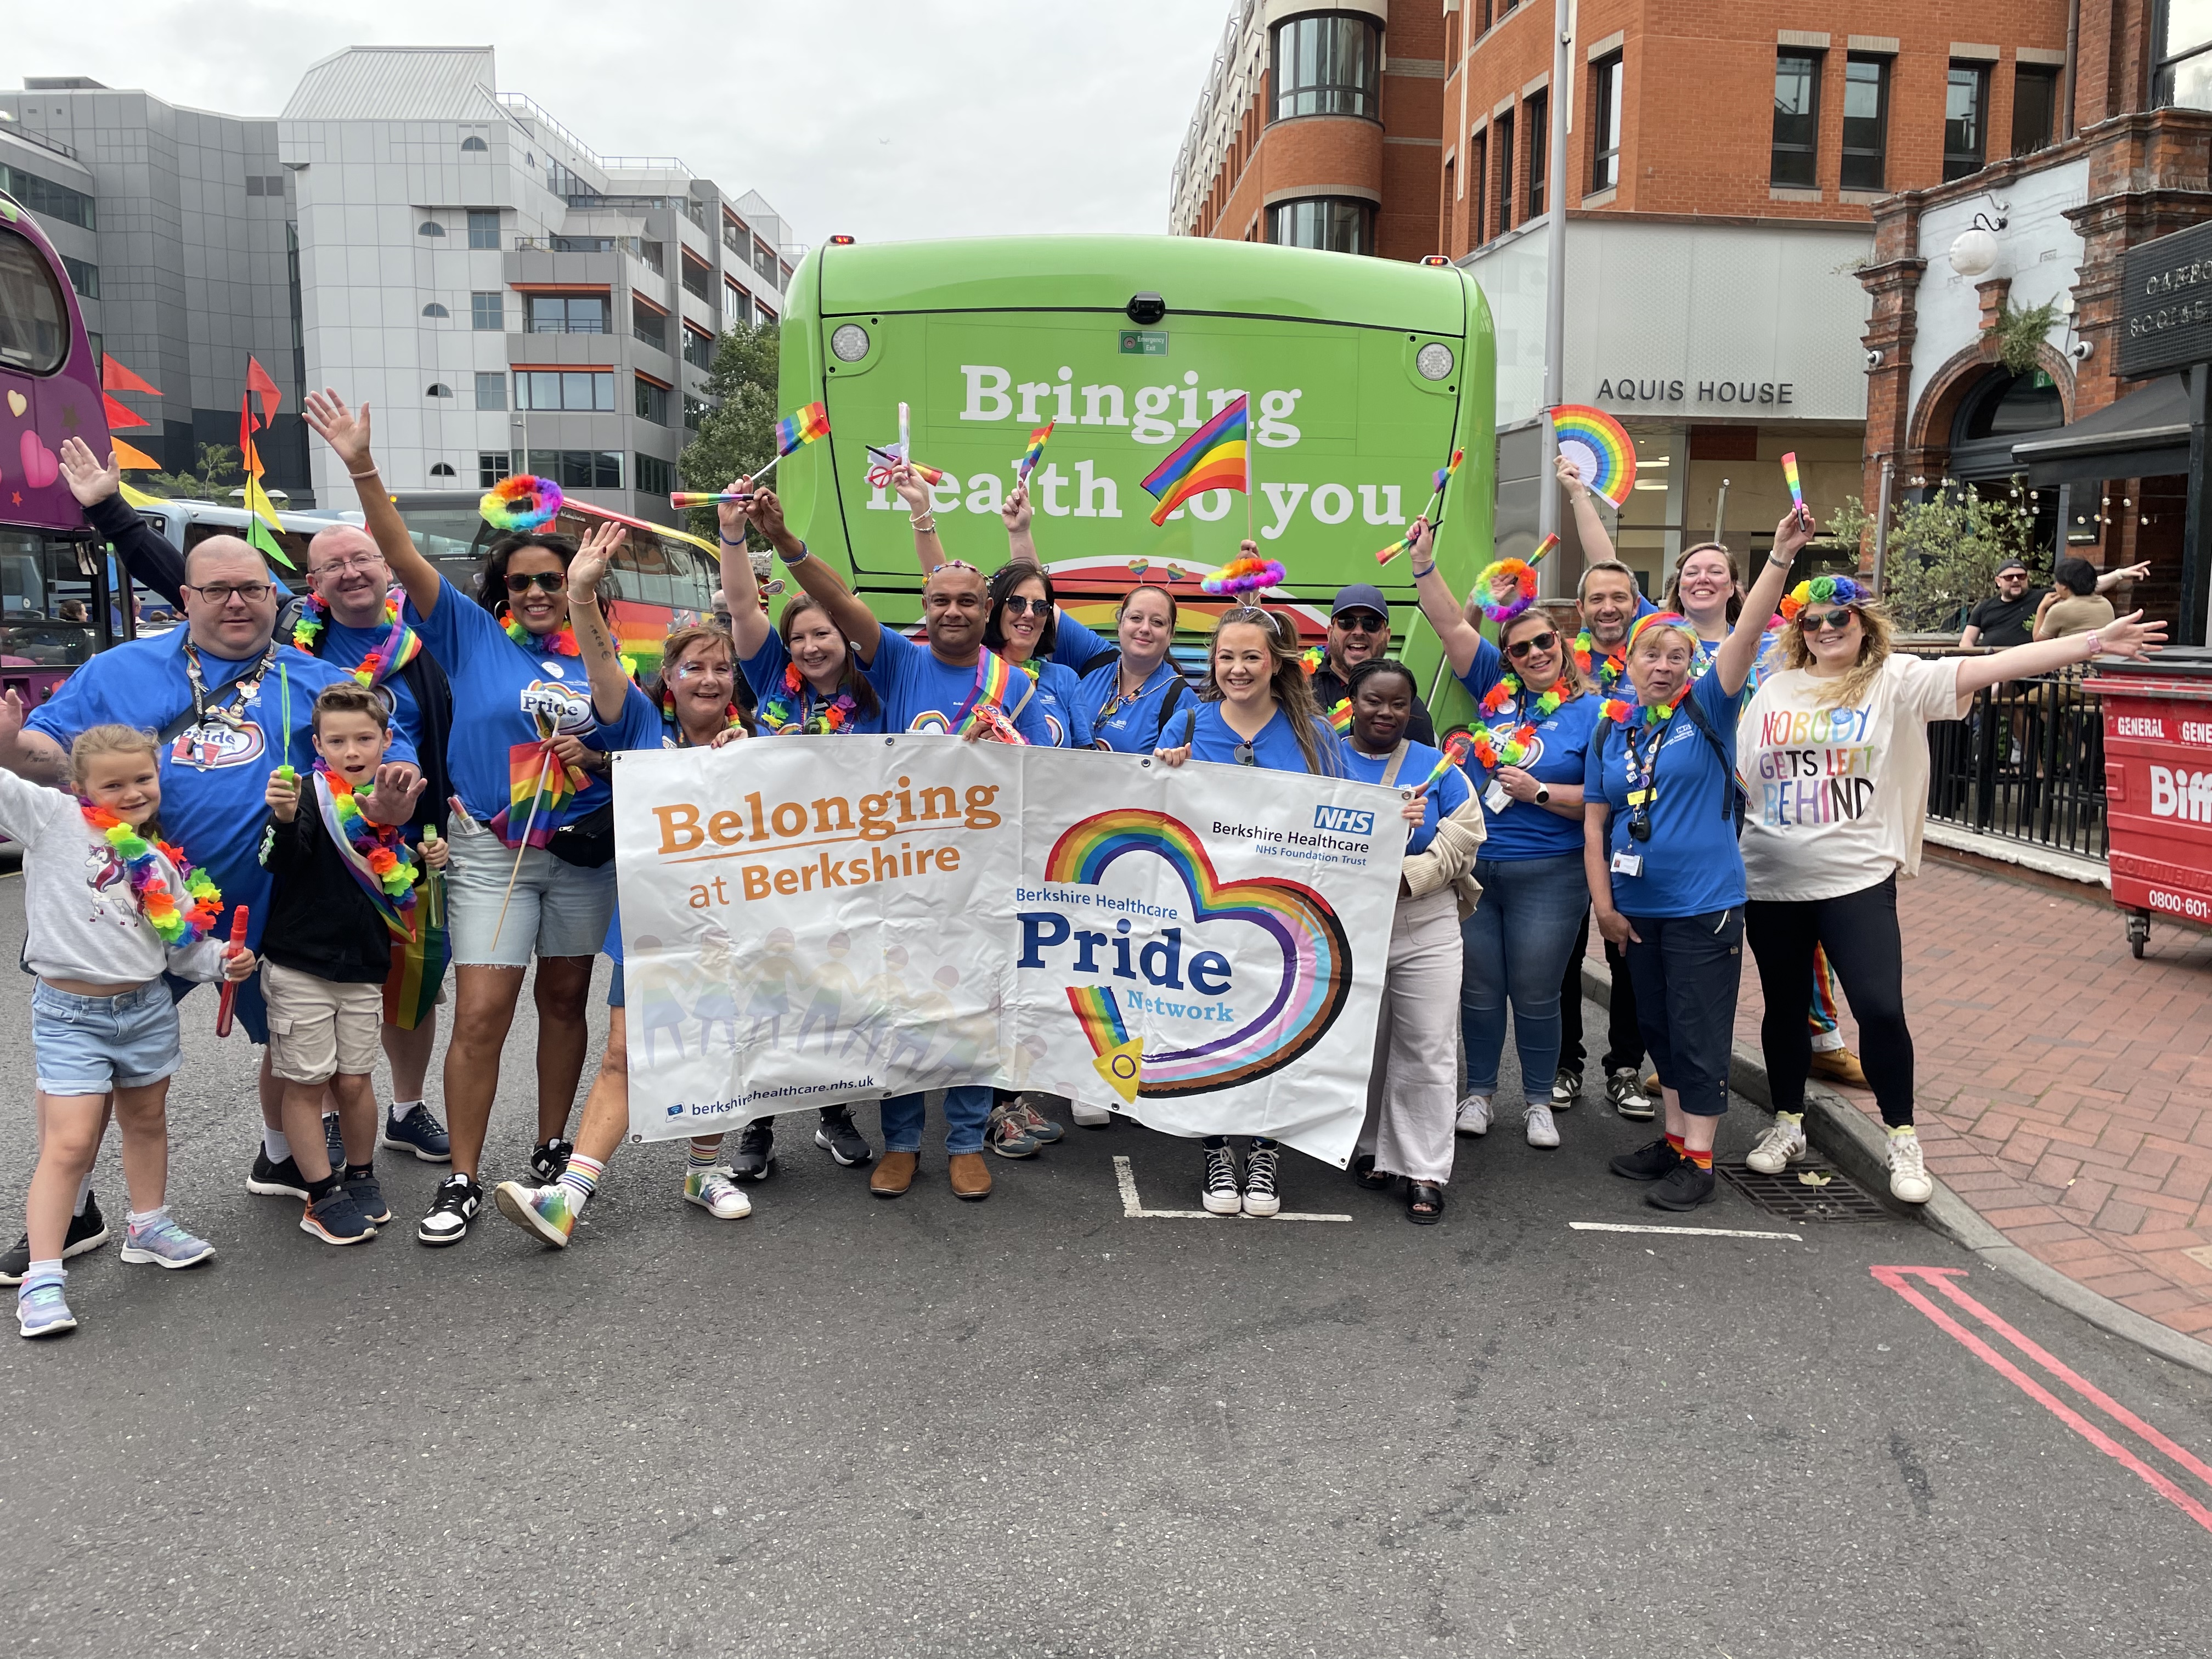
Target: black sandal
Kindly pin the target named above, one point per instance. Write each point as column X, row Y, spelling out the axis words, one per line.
column 1421, row 1193
column 1363, row 1171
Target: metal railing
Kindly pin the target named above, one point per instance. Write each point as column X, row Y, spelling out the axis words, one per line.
column 2026, row 764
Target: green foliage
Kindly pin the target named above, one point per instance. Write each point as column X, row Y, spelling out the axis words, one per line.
column 737, row 434
column 217, row 463
column 1943, row 553
column 173, row 486
column 2020, row 333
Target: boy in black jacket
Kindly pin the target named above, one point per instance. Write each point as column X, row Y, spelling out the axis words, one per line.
column 343, row 889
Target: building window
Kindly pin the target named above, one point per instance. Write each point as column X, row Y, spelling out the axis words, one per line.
column 566, row 314
column 433, row 309
column 473, row 144
column 650, row 251
column 1606, row 77
column 1335, row 224
column 693, row 412
column 695, row 277
column 488, row 313
column 1866, row 122
column 491, row 468
column 2185, row 56
column 48, row 199
column 491, row 391
column 1328, row 64
column 84, row 279
column 438, row 389
column 648, row 325
column 2034, row 106
column 442, row 469
column 698, row 348
column 1539, row 142
column 564, row 388
column 655, row 475
column 652, row 402
column 1796, row 120
column 429, row 228
column 739, row 304
column 484, row 228
column 1502, row 127
column 578, row 469
column 1965, row 110
column 1477, row 189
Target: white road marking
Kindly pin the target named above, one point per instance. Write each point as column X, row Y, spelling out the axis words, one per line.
column 1693, row 1232
column 1132, row 1207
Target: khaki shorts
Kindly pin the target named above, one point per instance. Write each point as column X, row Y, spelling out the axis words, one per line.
column 317, row 1028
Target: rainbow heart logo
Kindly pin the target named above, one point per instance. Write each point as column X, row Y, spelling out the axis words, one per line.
column 1308, row 939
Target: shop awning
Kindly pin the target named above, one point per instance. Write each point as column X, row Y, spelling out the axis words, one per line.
column 2144, row 436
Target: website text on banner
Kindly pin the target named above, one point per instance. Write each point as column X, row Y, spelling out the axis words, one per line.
column 820, row 920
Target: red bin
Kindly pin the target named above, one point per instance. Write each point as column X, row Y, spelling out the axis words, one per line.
column 2158, row 785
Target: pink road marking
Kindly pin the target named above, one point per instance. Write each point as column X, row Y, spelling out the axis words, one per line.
column 1897, row 1278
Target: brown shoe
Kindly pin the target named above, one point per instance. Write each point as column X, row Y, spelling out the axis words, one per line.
column 895, row 1174
column 972, row 1175
column 1839, row 1066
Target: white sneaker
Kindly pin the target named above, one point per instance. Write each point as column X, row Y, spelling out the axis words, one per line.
column 1908, row 1169
column 1474, row 1115
column 1087, row 1116
column 1778, row 1148
column 1261, row 1197
column 1566, row 1089
column 1223, row 1193
column 1542, row 1132
column 714, row 1191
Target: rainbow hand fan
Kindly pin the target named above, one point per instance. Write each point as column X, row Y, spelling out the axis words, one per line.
column 1600, row 448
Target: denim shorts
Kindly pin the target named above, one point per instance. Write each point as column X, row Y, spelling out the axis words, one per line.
column 558, row 908
column 90, row 1045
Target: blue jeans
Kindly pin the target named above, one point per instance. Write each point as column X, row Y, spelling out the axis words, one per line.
column 966, row 1111
column 1517, row 943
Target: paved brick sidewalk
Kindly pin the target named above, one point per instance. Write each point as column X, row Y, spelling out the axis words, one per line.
column 2064, row 1088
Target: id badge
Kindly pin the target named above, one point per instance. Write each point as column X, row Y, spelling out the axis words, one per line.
column 1494, row 799
column 1628, row 864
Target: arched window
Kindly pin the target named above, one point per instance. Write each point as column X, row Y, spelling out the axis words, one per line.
column 2003, row 406
column 442, row 469
column 429, row 228
column 438, row 389
column 433, row 309
column 469, row 144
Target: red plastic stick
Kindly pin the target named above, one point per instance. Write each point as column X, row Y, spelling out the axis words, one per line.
column 222, row 1009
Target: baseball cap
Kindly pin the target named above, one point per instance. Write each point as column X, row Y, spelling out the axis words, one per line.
column 2011, row 564
column 1361, row 596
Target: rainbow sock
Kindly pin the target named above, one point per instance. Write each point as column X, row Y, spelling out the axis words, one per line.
column 703, row 1157
column 582, row 1175
column 1704, row 1160
column 1675, row 1141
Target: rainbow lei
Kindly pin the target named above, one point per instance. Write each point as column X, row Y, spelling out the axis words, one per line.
column 1494, row 746
column 787, row 711
column 1339, row 718
column 1837, row 589
column 400, row 646
column 1608, row 671
column 1522, row 572
column 561, row 643
column 1312, row 658
column 175, row 928
column 1508, row 689
column 382, row 862
column 1613, row 709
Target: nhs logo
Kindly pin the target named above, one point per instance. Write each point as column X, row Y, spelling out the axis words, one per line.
column 1344, row 820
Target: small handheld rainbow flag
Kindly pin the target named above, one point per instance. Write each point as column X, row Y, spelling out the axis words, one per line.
column 1441, row 479
column 810, row 423
column 1033, row 453
column 1444, row 472
column 1543, row 548
column 1215, row 457
column 713, row 498
column 1339, row 718
column 418, row 965
column 539, row 789
column 1789, row 476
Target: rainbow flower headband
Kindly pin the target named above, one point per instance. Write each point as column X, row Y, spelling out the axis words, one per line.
column 1522, row 572
column 520, row 501
column 1832, row 590
column 1243, row 575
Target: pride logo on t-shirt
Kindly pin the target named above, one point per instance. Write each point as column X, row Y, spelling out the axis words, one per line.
column 567, row 709
column 217, row 743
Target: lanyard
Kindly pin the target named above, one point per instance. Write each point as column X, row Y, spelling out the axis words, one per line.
column 1643, row 775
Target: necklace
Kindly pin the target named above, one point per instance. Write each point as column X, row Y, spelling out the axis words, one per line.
column 561, row 643
column 1508, row 689
column 1620, row 713
column 793, row 710
column 249, row 686
column 1497, row 746
column 381, row 859
column 1118, row 699
column 156, row 902
column 1608, row 671
column 1312, row 658
column 399, row 647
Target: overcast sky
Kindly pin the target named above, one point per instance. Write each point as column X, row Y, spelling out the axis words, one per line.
column 923, row 118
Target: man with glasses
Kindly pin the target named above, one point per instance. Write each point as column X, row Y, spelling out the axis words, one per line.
column 230, row 703
column 2009, row 618
column 1358, row 629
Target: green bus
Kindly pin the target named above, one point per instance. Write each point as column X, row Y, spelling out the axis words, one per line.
column 1364, row 376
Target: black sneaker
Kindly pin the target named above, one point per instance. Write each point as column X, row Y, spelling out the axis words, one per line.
column 550, row 1159
column 87, row 1231
column 281, row 1179
column 1649, row 1161
column 453, row 1210
column 367, row 1194
column 756, row 1158
column 1684, row 1187
column 333, row 1141
column 841, row 1139
column 1566, row 1088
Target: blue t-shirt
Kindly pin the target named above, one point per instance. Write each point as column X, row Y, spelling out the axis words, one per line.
column 1134, row 727
column 764, row 670
column 1056, row 697
column 1076, row 647
column 921, row 694
column 1446, row 795
column 1276, row 747
column 1522, row 829
column 499, row 687
column 348, row 648
column 214, row 779
column 1692, row 865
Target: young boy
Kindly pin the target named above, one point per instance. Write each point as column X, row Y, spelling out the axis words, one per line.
column 343, row 889
column 111, row 905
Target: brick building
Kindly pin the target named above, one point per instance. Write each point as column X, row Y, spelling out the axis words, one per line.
column 2102, row 459
column 1318, row 129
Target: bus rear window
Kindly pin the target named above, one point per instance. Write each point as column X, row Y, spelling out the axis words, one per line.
column 33, row 316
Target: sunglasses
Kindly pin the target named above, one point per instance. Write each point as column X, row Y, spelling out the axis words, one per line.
column 1818, row 621
column 1361, row 621
column 545, row 581
column 1521, row 648
column 1244, row 756
column 1017, row 607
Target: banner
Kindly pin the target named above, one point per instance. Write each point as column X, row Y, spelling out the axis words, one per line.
column 808, row 921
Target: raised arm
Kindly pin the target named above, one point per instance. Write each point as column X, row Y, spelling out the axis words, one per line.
column 854, row 620
column 2126, row 572
column 749, row 624
column 146, row 554
column 1589, row 524
column 29, row 754
column 928, row 551
column 1018, row 513
column 595, row 641
column 1461, row 638
column 2124, row 636
column 1733, row 661
column 347, row 433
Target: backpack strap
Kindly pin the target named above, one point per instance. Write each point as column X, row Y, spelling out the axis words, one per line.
column 1397, row 759
column 1738, row 798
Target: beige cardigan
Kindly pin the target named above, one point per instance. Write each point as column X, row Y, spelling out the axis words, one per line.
column 1449, row 860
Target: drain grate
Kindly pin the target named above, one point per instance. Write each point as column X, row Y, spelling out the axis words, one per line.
column 1786, row 1196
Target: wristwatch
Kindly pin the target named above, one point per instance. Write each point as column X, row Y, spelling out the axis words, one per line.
column 1543, row 795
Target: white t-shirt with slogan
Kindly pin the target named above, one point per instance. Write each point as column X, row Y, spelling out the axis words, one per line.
column 1839, row 796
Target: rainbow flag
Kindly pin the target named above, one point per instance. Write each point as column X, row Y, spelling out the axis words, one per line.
column 419, row 964
column 535, row 778
column 994, row 678
column 1789, row 476
column 1034, row 453
column 1339, row 718
column 1455, row 754
column 1215, row 457
column 804, row 428
column 1444, row 472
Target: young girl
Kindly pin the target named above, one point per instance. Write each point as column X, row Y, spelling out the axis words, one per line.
column 111, row 905
column 1257, row 710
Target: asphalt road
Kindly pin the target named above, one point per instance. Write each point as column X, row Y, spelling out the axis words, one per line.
column 1038, row 1426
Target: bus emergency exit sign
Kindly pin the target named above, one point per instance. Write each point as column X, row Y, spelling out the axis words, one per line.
column 1144, row 343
